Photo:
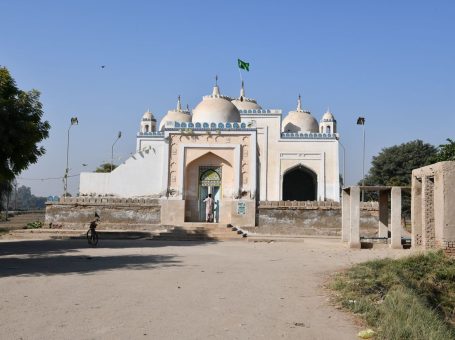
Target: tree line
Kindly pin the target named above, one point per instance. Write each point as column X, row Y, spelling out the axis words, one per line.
column 21, row 198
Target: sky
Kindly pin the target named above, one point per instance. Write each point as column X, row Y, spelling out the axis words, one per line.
column 392, row 62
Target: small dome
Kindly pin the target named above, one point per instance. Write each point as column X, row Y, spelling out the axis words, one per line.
column 148, row 116
column 328, row 117
column 177, row 115
column 300, row 121
column 243, row 103
column 215, row 109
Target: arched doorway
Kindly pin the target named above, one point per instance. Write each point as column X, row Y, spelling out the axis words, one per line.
column 209, row 183
column 299, row 184
column 208, row 173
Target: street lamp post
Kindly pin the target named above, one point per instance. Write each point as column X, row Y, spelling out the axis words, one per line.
column 361, row 121
column 112, row 149
column 344, row 162
column 74, row 121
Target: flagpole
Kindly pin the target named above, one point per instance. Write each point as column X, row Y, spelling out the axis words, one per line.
column 240, row 73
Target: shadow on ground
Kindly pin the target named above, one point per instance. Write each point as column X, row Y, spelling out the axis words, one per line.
column 50, row 257
column 83, row 264
column 60, row 246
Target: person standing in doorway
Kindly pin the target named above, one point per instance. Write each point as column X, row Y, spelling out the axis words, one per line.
column 209, row 208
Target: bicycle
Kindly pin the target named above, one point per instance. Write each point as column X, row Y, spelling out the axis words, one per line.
column 92, row 235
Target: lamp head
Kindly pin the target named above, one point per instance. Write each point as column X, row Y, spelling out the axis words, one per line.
column 74, row 121
column 361, row 121
column 119, row 134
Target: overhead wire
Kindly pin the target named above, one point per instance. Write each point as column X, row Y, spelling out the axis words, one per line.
column 45, row 179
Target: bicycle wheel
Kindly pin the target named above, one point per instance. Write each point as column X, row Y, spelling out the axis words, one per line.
column 92, row 237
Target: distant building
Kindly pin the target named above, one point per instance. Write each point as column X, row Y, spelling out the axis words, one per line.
column 231, row 148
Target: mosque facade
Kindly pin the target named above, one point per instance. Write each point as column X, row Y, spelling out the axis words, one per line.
column 231, row 148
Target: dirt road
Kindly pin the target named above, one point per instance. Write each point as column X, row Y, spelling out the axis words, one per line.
column 173, row 290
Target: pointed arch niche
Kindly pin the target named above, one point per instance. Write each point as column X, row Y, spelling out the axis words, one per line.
column 208, row 171
column 300, row 184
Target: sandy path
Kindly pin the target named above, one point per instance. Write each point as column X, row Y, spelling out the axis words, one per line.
column 173, row 290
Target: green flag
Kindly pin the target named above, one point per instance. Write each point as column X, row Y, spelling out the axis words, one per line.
column 243, row 65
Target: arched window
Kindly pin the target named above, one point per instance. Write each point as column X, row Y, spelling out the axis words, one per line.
column 327, row 129
column 210, row 177
column 146, row 128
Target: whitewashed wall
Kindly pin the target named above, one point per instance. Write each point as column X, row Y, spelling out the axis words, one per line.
column 139, row 175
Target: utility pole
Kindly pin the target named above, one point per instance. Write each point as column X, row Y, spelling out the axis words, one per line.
column 361, row 121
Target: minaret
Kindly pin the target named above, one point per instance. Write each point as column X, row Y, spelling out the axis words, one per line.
column 242, row 92
column 328, row 123
column 216, row 89
column 148, row 122
column 179, row 104
column 299, row 104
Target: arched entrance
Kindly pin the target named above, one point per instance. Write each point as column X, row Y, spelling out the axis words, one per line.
column 209, row 183
column 299, row 184
column 209, row 173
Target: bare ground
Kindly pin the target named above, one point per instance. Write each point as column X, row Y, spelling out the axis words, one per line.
column 61, row 289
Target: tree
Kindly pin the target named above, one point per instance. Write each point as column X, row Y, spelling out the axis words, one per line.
column 5, row 190
column 393, row 166
column 105, row 167
column 21, row 128
column 446, row 152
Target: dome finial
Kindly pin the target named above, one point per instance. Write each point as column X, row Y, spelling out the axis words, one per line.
column 242, row 90
column 216, row 90
column 179, row 104
column 299, row 103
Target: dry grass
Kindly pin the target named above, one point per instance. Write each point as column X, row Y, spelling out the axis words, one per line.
column 410, row 298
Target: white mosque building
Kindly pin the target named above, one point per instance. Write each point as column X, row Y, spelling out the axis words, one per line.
column 231, row 148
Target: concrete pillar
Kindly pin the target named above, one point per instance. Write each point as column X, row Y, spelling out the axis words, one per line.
column 383, row 213
column 416, row 212
column 395, row 218
column 345, row 216
column 354, row 212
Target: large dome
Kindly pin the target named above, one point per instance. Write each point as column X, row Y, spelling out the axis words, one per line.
column 300, row 121
column 243, row 103
column 215, row 109
column 246, row 104
column 177, row 115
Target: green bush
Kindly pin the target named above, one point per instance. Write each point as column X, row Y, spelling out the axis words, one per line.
column 34, row 225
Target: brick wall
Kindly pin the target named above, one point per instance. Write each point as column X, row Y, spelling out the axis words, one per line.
column 310, row 218
column 428, row 213
column 449, row 247
column 115, row 213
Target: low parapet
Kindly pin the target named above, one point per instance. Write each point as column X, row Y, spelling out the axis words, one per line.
column 210, row 126
column 260, row 111
column 309, row 135
column 151, row 134
column 94, row 200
